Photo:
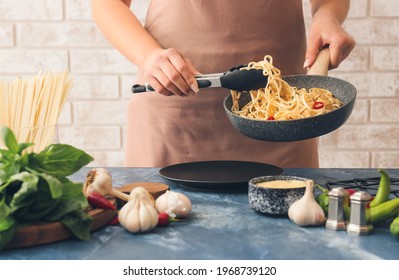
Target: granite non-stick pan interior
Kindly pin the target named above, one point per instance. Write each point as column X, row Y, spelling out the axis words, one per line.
column 301, row 129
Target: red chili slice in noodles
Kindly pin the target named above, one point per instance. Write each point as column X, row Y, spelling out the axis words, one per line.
column 318, row 105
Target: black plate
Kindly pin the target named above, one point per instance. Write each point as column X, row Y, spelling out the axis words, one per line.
column 218, row 175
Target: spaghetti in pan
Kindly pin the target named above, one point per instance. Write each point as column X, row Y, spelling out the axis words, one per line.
column 280, row 101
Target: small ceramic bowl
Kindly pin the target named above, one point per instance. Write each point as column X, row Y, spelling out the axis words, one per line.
column 273, row 201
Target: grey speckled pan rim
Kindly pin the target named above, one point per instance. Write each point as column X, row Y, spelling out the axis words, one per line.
column 346, row 102
column 300, row 129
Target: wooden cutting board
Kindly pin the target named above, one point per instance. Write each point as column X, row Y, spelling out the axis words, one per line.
column 44, row 233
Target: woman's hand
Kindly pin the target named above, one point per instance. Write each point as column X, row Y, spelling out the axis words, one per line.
column 167, row 71
column 170, row 73
column 326, row 30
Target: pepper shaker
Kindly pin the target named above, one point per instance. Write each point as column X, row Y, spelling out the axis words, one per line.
column 336, row 217
column 360, row 214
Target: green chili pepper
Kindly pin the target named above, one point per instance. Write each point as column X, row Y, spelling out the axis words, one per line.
column 383, row 189
column 384, row 211
column 323, row 199
column 347, row 207
column 395, row 227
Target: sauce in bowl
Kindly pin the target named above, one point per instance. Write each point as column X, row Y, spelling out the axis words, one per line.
column 282, row 184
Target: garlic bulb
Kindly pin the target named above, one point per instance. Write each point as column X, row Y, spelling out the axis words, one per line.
column 306, row 211
column 100, row 180
column 138, row 214
column 173, row 203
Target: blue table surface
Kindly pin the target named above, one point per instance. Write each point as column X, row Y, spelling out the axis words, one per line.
column 222, row 226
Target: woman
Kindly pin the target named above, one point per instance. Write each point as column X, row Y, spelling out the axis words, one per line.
column 184, row 38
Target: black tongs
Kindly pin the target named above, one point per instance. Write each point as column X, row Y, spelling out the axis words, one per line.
column 234, row 79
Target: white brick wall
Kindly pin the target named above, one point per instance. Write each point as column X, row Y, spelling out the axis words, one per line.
column 60, row 34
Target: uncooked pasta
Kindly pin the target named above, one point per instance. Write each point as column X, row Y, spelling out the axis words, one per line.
column 30, row 107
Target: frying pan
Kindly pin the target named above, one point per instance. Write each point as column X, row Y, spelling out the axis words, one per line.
column 301, row 129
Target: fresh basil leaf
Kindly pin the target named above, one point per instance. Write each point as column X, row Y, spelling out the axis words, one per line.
column 4, row 209
column 28, row 187
column 8, row 166
column 79, row 223
column 60, row 160
column 9, row 139
column 54, row 185
column 6, row 223
column 11, row 164
column 36, row 208
column 7, row 231
column 72, row 199
column 23, row 146
column 66, row 206
column 71, row 190
column 34, row 187
column 4, row 155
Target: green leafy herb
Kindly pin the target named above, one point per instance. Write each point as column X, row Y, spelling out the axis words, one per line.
column 7, row 231
column 9, row 140
column 34, row 187
column 59, row 160
column 79, row 223
column 4, row 209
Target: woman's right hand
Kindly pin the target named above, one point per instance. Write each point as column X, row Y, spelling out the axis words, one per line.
column 170, row 73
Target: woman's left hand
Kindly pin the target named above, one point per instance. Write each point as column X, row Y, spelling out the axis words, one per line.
column 327, row 31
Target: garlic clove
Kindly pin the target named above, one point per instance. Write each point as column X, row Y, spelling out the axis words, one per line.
column 129, row 217
column 143, row 193
column 145, row 219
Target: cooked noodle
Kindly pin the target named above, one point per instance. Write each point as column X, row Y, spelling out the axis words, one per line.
column 279, row 101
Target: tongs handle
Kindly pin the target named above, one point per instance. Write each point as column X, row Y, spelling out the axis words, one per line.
column 147, row 87
column 234, row 79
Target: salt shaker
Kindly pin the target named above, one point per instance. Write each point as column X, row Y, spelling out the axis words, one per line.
column 359, row 222
column 336, row 217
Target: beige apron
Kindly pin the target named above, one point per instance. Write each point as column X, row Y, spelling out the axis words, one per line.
column 215, row 35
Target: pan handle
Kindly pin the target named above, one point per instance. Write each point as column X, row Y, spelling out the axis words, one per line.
column 320, row 66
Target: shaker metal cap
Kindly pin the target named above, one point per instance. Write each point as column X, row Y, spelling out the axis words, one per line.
column 338, row 191
column 361, row 196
